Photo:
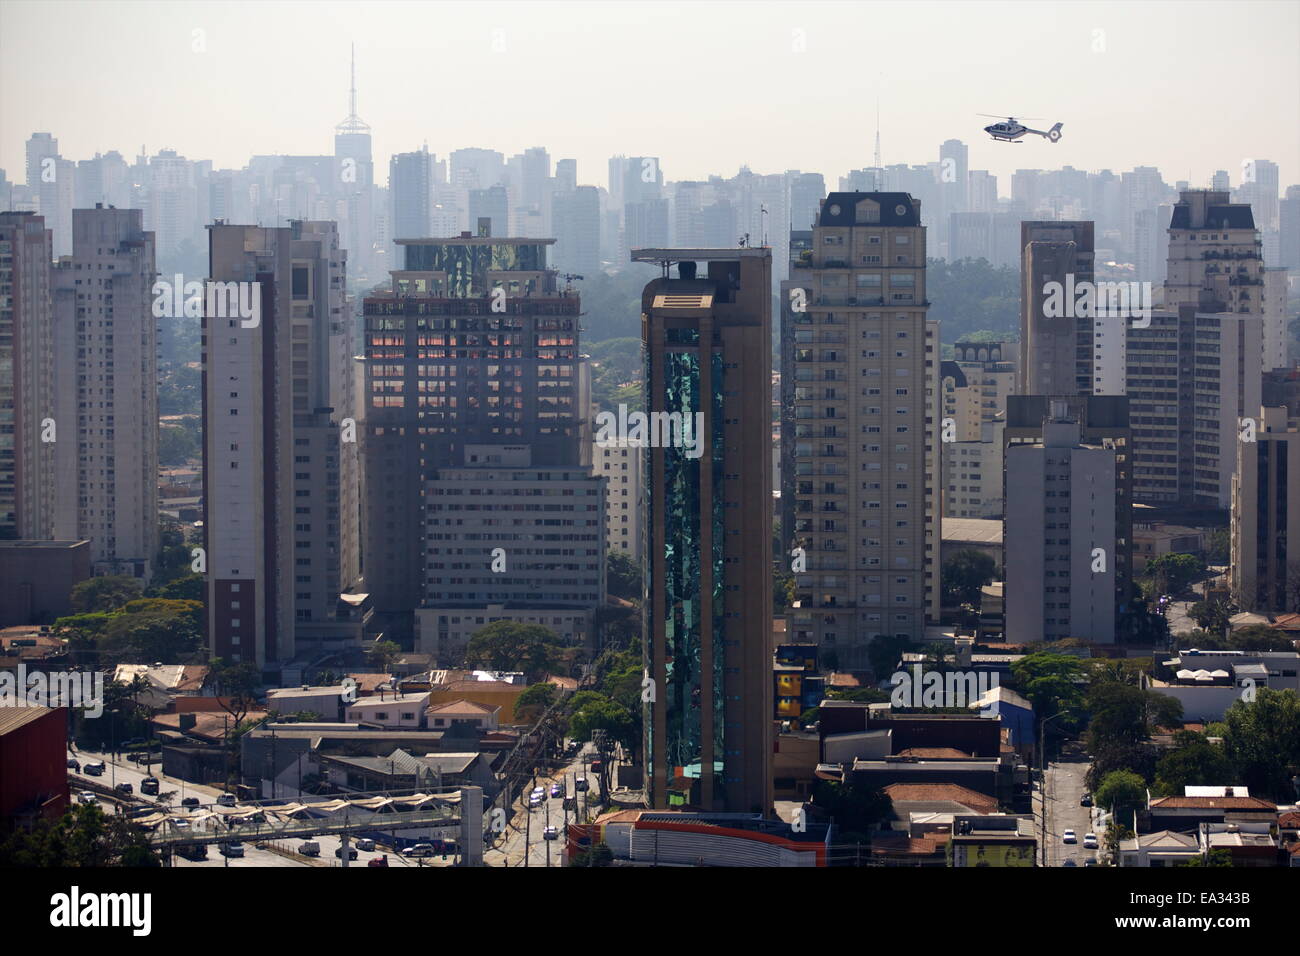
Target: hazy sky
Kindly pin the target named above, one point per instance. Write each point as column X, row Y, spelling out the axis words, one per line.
column 1187, row 87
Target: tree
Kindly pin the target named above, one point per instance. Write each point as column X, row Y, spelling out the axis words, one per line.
column 511, row 645
column 237, row 685
column 1214, row 615
column 783, row 589
column 187, row 587
column 598, row 855
column 170, row 638
column 83, row 837
column 623, row 576
column 1218, row 547
column 104, row 594
column 855, row 807
column 535, row 700
column 1260, row 637
column 1051, row 682
column 1216, row 858
column 1116, row 833
column 1173, row 572
column 382, row 654
column 883, row 654
column 964, row 574
column 1261, row 740
column 1193, row 762
column 1122, row 792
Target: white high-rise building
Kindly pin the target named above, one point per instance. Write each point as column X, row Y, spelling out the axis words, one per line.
column 622, row 464
column 106, row 480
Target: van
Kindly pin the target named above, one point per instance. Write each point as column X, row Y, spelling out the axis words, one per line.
column 310, row 848
column 226, row 800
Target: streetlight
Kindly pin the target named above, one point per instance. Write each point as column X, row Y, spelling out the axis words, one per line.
column 1042, row 775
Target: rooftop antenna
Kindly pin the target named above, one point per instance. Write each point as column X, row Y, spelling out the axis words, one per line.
column 354, row 123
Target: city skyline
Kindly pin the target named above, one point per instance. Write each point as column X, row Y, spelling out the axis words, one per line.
column 507, row 47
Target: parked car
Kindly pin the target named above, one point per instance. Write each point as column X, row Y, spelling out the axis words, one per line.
column 1090, row 841
column 309, row 848
column 381, row 860
column 149, row 785
column 535, row 800
column 551, row 833
column 1069, row 837
column 557, row 789
column 226, row 800
column 352, row 853
column 232, row 849
column 190, row 802
column 1085, row 800
column 180, row 823
column 85, row 798
column 420, row 850
column 365, row 844
column 95, row 769
column 74, row 764
column 124, row 788
column 580, row 784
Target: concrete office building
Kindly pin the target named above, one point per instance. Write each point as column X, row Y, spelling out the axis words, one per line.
column 1213, row 246
column 1191, row 376
column 865, row 372
column 281, row 475
column 976, row 385
column 622, row 465
column 412, row 178
column 1060, row 536
column 1056, row 351
column 972, row 475
column 1103, row 422
column 576, row 218
column 444, row 370
column 1265, row 571
column 507, row 540
column 27, row 391
column 106, row 395
column 708, row 616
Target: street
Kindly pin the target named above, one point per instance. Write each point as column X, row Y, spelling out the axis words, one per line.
column 528, row 826
column 1063, row 788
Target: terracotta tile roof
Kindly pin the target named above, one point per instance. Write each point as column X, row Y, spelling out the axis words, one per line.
column 891, row 844
column 941, row 792
column 1289, row 820
column 935, row 752
column 453, row 707
column 1212, row 803
column 369, row 683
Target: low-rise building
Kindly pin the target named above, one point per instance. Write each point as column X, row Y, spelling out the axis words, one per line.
column 393, row 711
column 1159, row 849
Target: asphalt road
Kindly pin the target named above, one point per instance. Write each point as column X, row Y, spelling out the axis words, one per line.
column 524, row 835
column 1063, row 789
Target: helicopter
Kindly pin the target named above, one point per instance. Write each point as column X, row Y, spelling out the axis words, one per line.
column 1013, row 129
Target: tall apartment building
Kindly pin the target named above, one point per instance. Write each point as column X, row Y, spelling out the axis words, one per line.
column 1103, row 422
column 1056, row 351
column 280, row 463
column 508, row 541
column 411, row 182
column 972, row 474
column 708, row 613
column 622, row 465
column 449, row 362
column 27, row 389
column 976, row 384
column 1214, row 247
column 1273, row 335
column 1266, row 515
column 865, row 370
column 1192, row 375
column 1059, row 540
column 106, row 394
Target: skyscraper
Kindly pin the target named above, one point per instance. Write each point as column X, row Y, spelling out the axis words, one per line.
column 708, row 613
column 865, row 368
column 411, row 183
column 279, row 453
column 1266, row 515
column 107, row 395
column 27, row 393
column 1056, row 351
column 355, row 181
column 1060, row 536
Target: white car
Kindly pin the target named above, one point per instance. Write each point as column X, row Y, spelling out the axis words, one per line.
column 551, row 833
column 365, row 844
column 180, row 823
column 1090, row 841
column 1069, row 837
column 85, row 798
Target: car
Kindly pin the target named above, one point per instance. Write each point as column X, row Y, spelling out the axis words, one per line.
column 597, row 764
column 551, row 833
column 535, row 800
column 381, row 860
column 1091, row 862
column 557, row 789
column 95, row 769
column 1085, row 800
column 352, row 853
column 149, row 785
column 232, row 849
column 580, row 784
column 226, row 800
column 85, row 798
column 1090, row 841
column 309, row 848
column 124, row 788
column 74, row 764
column 1069, row 837
column 198, row 851
column 180, row 823
column 190, row 802
column 421, row 850
column 538, row 790
column 365, row 844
